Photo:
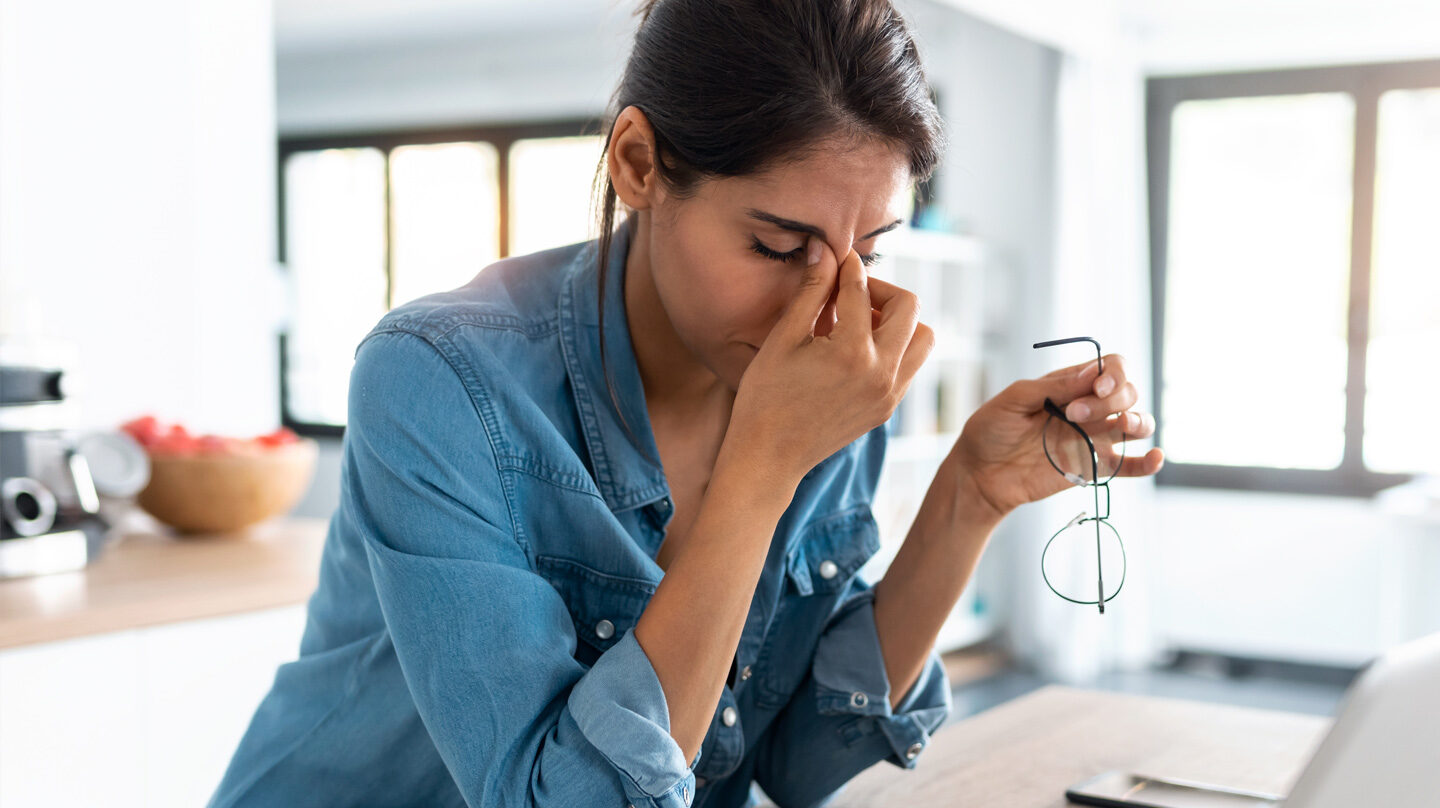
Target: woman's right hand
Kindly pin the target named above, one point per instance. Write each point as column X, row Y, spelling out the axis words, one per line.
column 805, row 397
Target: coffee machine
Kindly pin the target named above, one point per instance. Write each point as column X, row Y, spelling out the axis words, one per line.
column 50, row 516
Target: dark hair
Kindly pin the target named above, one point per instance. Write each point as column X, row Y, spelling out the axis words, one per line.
column 734, row 87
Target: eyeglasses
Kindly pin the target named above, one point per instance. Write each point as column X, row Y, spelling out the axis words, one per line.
column 1073, row 453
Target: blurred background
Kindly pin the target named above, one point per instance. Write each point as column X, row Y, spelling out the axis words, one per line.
column 204, row 207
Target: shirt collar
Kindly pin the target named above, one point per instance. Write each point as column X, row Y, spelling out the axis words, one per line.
column 626, row 464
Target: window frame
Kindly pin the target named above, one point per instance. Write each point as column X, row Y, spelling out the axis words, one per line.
column 502, row 136
column 1365, row 83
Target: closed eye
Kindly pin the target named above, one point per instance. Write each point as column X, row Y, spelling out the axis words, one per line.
column 775, row 255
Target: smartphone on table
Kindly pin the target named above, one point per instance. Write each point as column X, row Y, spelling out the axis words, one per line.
column 1123, row 790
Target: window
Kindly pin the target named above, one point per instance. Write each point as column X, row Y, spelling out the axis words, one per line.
column 1296, row 276
column 368, row 223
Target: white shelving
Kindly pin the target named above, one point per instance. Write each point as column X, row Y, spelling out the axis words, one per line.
column 947, row 272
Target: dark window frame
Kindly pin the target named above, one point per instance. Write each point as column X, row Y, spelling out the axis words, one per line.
column 1365, row 83
column 502, row 136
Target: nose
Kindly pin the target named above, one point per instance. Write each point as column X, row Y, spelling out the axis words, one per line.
column 840, row 247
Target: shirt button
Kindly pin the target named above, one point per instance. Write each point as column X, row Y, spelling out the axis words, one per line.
column 604, row 629
column 745, row 673
column 914, row 750
column 859, row 699
column 828, row 569
column 728, row 716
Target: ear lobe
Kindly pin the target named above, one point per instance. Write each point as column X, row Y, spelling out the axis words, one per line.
column 631, row 159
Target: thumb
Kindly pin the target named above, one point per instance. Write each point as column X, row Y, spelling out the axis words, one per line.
column 1060, row 386
column 816, row 285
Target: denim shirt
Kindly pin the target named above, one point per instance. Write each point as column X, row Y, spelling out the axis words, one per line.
column 471, row 638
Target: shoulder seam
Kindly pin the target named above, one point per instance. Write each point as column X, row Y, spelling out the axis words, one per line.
column 483, row 415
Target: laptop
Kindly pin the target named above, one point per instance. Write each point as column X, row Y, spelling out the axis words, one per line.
column 1383, row 750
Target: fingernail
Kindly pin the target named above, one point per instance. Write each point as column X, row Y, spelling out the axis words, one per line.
column 1105, row 385
column 1079, row 412
column 812, row 254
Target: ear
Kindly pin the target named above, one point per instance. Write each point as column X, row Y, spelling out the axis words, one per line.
column 631, row 160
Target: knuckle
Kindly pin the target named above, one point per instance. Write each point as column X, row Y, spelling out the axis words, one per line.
column 878, row 382
column 854, row 354
column 811, row 279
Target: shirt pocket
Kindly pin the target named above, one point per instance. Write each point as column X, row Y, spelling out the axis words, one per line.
column 826, row 557
column 603, row 606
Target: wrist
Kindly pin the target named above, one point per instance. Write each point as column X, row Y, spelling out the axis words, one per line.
column 749, row 467
column 971, row 499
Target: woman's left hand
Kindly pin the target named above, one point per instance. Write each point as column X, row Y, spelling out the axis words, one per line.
column 999, row 453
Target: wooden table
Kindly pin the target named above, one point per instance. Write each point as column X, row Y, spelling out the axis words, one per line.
column 1025, row 753
column 147, row 576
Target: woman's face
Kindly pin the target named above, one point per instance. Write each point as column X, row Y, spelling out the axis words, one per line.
column 727, row 261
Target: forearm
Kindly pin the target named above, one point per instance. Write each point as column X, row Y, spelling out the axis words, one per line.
column 692, row 626
column 929, row 573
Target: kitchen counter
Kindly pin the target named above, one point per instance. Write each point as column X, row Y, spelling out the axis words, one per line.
column 147, row 576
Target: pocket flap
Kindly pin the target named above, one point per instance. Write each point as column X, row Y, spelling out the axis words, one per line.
column 831, row 549
column 603, row 606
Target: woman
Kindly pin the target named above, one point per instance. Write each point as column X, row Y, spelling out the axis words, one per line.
column 602, row 507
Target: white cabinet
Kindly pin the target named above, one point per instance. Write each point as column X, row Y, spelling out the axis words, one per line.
column 145, row 717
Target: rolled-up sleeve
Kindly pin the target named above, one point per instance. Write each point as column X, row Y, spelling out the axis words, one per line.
column 486, row 644
column 839, row 721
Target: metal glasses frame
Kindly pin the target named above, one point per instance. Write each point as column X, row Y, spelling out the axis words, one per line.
column 1055, row 412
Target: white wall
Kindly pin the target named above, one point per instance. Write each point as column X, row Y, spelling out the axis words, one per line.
column 137, row 204
column 1328, row 580
column 467, row 77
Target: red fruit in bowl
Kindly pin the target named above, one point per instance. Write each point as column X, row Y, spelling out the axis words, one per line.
column 160, row 438
column 145, row 429
column 280, row 437
column 212, row 443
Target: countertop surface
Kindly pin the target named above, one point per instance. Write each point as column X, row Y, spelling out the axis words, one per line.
column 145, row 575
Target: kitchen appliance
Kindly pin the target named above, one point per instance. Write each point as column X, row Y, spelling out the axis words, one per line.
column 50, row 519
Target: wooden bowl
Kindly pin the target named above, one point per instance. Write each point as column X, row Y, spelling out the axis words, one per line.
column 223, row 492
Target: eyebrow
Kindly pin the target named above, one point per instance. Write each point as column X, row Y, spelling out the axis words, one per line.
column 801, row 227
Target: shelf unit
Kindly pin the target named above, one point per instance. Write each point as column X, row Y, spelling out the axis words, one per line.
column 948, row 273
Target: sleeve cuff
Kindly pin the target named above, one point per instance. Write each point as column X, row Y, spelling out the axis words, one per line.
column 620, row 707
column 850, row 679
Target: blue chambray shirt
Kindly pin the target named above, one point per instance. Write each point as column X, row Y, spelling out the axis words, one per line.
column 471, row 640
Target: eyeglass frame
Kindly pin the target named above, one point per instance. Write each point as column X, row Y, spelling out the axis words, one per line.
column 1055, row 411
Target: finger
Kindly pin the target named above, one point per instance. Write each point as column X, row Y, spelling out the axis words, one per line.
column 1126, row 426
column 899, row 315
column 852, row 297
column 1095, row 408
column 826, row 322
column 915, row 354
column 1061, row 386
column 1142, row 466
column 797, row 322
column 1114, row 376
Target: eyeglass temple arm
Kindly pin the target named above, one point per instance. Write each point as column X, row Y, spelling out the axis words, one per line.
column 1098, row 358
